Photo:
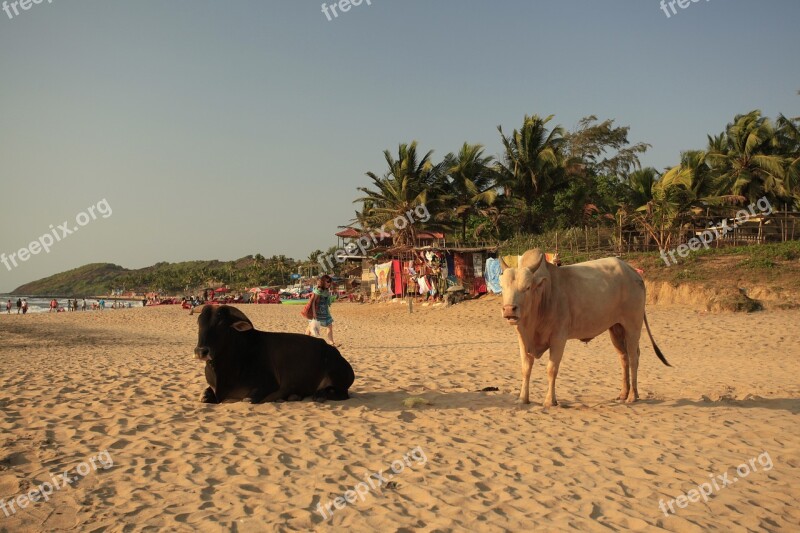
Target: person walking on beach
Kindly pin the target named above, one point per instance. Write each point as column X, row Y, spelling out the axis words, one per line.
column 320, row 308
column 53, row 306
column 8, row 307
column 19, row 305
column 83, row 305
column 25, row 306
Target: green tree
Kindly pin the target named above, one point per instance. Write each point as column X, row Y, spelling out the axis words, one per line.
column 531, row 165
column 789, row 141
column 409, row 182
column 471, row 183
column 746, row 159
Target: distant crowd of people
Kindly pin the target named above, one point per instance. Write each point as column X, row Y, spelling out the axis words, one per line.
column 70, row 305
column 22, row 306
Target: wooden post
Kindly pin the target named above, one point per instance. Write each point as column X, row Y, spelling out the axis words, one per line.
column 586, row 237
column 786, row 218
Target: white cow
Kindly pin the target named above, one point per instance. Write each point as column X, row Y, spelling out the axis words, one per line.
column 550, row 304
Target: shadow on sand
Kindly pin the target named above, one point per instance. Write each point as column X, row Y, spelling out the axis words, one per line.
column 393, row 401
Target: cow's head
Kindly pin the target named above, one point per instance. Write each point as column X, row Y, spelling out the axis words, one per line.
column 522, row 286
column 218, row 325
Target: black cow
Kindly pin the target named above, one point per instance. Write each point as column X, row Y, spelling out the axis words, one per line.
column 243, row 363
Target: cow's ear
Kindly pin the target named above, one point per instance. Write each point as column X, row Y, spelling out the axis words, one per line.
column 242, row 325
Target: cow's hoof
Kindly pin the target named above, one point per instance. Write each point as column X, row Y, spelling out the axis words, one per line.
column 294, row 398
column 632, row 399
column 522, row 401
column 550, row 404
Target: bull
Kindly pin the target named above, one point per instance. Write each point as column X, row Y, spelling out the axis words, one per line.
column 549, row 305
column 243, row 363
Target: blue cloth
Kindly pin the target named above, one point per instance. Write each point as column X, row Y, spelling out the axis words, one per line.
column 323, row 307
column 492, row 275
column 451, row 264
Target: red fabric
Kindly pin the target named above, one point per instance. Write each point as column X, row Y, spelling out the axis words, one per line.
column 480, row 286
column 397, row 270
column 460, row 264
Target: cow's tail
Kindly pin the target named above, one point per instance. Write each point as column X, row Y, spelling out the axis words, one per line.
column 655, row 346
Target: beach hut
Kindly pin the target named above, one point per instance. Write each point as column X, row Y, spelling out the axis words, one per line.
column 468, row 265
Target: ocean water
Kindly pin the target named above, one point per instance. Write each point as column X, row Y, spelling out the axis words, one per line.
column 42, row 305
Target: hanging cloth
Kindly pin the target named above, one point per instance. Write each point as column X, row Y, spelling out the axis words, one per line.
column 492, row 275
column 397, row 268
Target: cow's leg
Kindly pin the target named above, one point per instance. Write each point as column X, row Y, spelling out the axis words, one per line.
column 209, row 396
column 618, row 340
column 279, row 394
column 556, row 353
column 258, row 396
column 632, row 345
column 526, row 364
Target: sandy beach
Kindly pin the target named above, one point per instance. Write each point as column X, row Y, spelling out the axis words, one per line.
column 75, row 385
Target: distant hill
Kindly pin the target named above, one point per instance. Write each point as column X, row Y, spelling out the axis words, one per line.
column 83, row 281
column 169, row 278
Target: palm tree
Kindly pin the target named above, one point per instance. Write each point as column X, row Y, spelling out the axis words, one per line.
column 789, row 140
column 659, row 214
column 408, row 183
column 747, row 160
column 639, row 186
column 471, row 184
column 532, row 162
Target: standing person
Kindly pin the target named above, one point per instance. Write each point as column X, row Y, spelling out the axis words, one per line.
column 19, row 305
column 8, row 307
column 320, row 307
column 83, row 306
column 25, row 306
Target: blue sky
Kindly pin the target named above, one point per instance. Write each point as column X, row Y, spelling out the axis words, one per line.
column 220, row 129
